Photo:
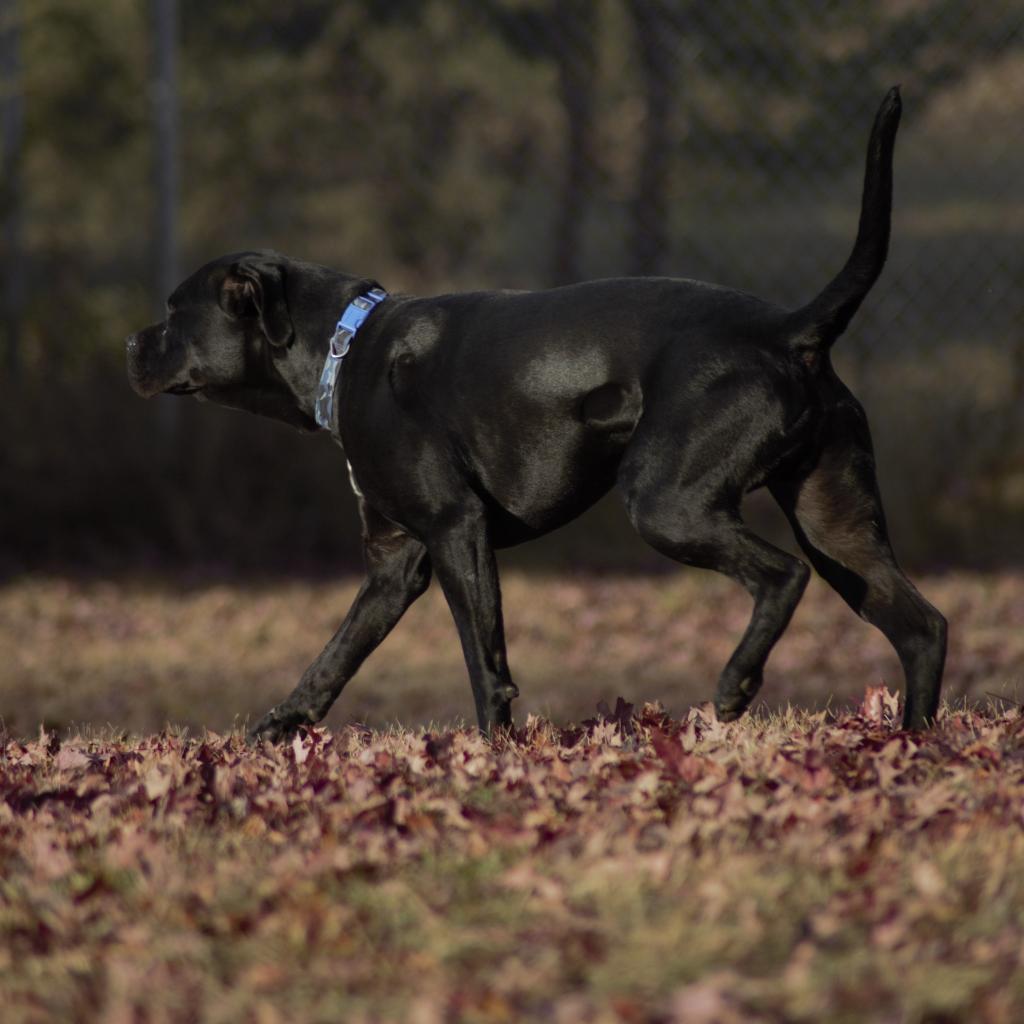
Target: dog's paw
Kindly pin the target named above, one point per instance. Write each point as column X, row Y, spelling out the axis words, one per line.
column 735, row 696
column 278, row 725
column 726, row 713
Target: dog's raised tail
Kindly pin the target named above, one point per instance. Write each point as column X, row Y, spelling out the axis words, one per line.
column 818, row 324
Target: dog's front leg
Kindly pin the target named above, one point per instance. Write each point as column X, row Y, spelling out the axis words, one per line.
column 464, row 562
column 397, row 572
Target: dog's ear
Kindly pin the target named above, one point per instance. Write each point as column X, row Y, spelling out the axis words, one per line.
column 255, row 287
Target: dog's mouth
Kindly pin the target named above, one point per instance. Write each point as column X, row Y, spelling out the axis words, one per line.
column 183, row 389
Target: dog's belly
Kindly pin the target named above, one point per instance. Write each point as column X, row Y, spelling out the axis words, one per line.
column 546, row 462
column 534, row 506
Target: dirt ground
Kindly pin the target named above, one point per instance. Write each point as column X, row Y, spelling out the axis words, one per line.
column 138, row 654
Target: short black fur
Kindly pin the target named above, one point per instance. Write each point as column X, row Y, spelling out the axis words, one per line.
column 475, row 421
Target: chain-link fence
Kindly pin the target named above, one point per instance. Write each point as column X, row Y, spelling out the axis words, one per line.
column 522, row 143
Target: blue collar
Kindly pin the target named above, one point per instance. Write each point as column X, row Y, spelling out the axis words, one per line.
column 351, row 320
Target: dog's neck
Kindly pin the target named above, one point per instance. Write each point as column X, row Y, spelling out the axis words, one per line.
column 318, row 300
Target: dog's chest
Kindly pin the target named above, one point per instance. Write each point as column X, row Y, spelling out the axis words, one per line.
column 352, row 480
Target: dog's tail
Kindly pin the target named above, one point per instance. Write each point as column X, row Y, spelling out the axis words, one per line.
column 817, row 325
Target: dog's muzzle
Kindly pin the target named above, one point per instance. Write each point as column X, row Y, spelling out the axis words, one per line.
column 148, row 370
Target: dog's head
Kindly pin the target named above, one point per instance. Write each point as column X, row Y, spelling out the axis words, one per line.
column 228, row 338
column 222, row 324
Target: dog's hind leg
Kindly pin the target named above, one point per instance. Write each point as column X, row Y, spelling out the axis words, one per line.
column 397, row 572
column 836, row 512
column 684, row 501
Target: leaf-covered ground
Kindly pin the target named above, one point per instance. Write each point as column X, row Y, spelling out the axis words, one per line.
column 634, row 868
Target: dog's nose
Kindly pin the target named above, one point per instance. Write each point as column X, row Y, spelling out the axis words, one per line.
column 132, row 344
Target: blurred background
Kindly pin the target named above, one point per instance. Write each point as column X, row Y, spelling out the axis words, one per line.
column 440, row 144
column 455, row 144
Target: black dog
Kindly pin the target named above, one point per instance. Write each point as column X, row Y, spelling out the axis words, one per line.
column 480, row 420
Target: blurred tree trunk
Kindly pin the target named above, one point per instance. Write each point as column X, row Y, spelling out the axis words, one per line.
column 649, row 213
column 572, row 24
column 12, row 119
column 165, row 120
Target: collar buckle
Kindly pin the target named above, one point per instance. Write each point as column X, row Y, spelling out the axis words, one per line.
column 341, row 342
